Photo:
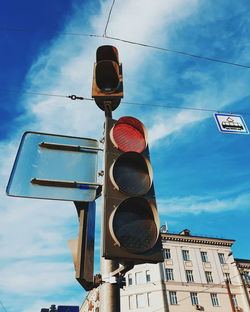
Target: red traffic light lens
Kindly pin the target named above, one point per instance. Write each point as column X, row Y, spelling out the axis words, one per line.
column 129, row 135
column 134, row 225
column 132, row 174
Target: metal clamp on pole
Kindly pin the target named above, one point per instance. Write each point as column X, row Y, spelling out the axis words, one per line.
column 117, row 276
column 108, row 108
column 62, row 183
column 68, row 147
column 75, row 97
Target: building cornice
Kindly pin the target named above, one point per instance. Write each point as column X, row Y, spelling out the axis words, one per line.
column 242, row 263
column 197, row 239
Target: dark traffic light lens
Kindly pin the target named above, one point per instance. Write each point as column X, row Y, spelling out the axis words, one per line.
column 129, row 135
column 134, row 225
column 132, row 174
column 107, row 76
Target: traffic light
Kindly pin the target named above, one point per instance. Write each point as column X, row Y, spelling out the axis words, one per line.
column 107, row 78
column 82, row 248
column 131, row 224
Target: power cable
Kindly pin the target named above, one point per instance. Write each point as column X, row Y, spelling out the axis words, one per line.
column 32, row 93
column 183, row 107
column 134, row 43
column 48, row 32
column 178, row 52
column 74, row 97
column 110, row 11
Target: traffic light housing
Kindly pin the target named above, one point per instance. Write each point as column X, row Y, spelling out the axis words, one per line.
column 131, row 224
column 82, row 248
column 107, row 78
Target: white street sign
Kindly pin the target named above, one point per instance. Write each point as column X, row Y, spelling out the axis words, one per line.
column 229, row 123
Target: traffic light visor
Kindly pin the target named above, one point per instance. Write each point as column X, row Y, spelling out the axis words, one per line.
column 132, row 174
column 107, row 53
column 129, row 135
column 135, row 225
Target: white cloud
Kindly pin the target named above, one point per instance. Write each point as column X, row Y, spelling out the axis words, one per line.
column 35, row 278
column 198, row 204
column 166, row 125
column 35, row 228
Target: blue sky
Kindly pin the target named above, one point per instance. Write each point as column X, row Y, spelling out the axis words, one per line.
column 201, row 176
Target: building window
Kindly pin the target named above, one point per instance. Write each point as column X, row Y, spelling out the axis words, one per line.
column 166, row 254
column 189, row 276
column 139, row 278
column 227, row 276
column 140, row 300
column 194, row 298
column 130, row 280
column 209, row 277
column 169, row 274
column 172, row 297
column 214, row 299
column 131, row 300
column 150, row 299
column 221, row 258
column 204, row 257
column 234, row 300
column 148, row 278
column 246, row 277
column 185, row 255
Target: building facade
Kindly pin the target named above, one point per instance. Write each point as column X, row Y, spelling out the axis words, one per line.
column 198, row 273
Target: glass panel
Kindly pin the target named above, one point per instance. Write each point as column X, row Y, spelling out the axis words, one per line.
column 185, row 254
column 194, row 298
column 204, row 257
column 172, row 297
column 148, row 278
column 169, row 274
column 63, row 164
column 209, row 277
column 221, row 258
column 130, row 280
column 214, row 299
column 167, row 254
column 189, row 276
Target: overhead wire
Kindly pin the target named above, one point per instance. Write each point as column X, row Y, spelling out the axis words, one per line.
column 110, row 11
column 134, row 43
column 32, row 93
column 74, row 97
column 178, row 52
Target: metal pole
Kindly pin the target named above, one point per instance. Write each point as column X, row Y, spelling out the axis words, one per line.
column 109, row 293
column 230, row 295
